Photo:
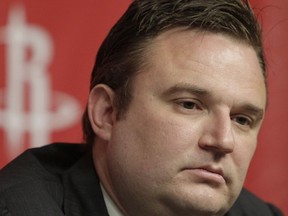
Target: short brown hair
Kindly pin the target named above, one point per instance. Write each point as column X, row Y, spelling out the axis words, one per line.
column 120, row 55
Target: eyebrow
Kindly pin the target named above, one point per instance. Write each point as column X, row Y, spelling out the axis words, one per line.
column 185, row 87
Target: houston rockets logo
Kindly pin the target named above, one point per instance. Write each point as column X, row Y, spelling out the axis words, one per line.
column 28, row 50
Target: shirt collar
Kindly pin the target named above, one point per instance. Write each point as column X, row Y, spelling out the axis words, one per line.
column 112, row 209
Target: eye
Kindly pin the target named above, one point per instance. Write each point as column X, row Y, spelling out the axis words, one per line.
column 188, row 104
column 242, row 120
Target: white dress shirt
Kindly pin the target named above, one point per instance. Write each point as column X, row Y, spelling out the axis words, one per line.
column 112, row 209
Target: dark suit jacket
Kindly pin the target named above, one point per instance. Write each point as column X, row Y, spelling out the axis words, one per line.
column 60, row 179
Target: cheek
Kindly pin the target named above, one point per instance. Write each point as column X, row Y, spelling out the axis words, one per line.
column 243, row 154
column 152, row 144
column 165, row 136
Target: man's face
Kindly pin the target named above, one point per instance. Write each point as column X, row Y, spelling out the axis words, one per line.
column 190, row 132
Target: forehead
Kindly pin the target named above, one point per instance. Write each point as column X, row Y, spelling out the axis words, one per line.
column 215, row 61
column 181, row 43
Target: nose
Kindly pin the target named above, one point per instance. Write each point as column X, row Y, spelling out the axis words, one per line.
column 218, row 135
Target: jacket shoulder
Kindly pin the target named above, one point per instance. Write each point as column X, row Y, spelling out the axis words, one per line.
column 47, row 162
column 32, row 182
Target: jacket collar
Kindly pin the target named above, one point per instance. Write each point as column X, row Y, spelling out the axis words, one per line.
column 82, row 191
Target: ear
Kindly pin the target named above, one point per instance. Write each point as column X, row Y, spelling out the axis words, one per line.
column 101, row 111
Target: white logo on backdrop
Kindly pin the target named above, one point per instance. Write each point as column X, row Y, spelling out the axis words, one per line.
column 27, row 97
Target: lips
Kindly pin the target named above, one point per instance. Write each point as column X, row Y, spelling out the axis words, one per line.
column 213, row 170
column 209, row 173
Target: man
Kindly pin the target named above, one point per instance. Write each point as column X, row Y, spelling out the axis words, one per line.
column 178, row 95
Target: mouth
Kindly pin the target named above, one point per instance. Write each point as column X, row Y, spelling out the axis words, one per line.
column 208, row 174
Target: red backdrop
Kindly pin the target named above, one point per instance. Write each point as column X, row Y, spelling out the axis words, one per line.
column 47, row 50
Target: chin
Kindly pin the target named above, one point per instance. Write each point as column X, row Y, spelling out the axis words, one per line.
column 200, row 201
column 196, row 208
